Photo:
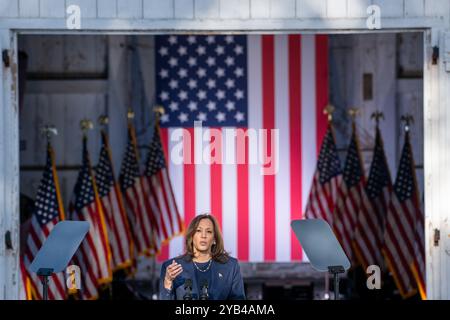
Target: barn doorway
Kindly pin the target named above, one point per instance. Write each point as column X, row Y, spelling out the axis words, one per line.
column 67, row 78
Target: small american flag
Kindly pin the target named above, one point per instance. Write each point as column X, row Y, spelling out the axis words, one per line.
column 349, row 202
column 404, row 234
column 370, row 226
column 142, row 222
column 157, row 184
column 327, row 181
column 112, row 204
column 94, row 255
column 48, row 212
column 243, row 86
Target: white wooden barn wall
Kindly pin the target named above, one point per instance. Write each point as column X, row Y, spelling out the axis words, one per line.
column 433, row 16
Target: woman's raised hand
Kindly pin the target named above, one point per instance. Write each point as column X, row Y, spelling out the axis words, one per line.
column 172, row 271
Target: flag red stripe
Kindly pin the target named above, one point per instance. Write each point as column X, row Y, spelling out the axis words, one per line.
column 165, row 207
column 321, row 87
column 96, row 212
column 88, row 269
column 242, row 202
column 216, row 178
column 400, row 227
column 109, row 216
column 157, row 216
column 268, row 99
column 371, row 251
column 399, row 273
column 166, row 199
column 149, row 211
column 164, row 252
column 373, row 254
column 295, row 135
column 137, row 211
column 402, row 266
column 189, row 175
column 94, row 250
column 60, row 287
column 89, row 236
column 37, row 241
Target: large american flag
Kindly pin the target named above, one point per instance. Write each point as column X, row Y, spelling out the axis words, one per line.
column 94, row 255
column 327, row 180
column 237, row 85
column 48, row 212
column 350, row 195
column 369, row 232
column 141, row 217
column 158, row 188
column 404, row 234
column 119, row 235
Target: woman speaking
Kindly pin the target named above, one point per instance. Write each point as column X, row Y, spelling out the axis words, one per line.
column 205, row 271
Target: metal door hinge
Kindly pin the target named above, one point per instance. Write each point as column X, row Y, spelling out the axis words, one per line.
column 8, row 240
column 437, row 237
column 435, row 55
column 5, row 58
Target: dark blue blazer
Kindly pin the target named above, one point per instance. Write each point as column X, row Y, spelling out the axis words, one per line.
column 226, row 283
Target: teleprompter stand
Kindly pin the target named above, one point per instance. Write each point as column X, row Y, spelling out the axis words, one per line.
column 322, row 248
column 57, row 250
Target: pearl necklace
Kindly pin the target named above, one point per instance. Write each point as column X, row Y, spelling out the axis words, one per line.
column 207, row 268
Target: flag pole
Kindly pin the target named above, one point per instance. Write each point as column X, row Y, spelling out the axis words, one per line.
column 103, row 122
column 130, row 131
column 328, row 111
column 158, row 111
column 44, row 273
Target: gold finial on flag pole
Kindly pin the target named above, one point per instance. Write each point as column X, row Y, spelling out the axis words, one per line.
column 103, row 120
column 159, row 110
column 130, row 114
column 377, row 115
column 329, row 109
column 48, row 130
column 408, row 119
column 353, row 112
column 86, row 125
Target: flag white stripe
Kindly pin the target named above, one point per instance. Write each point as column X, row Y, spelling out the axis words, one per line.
column 38, row 231
column 134, row 219
column 176, row 174
column 114, row 245
column 121, row 227
column 160, row 201
column 399, row 213
column 173, row 211
column 145, row 192
column 403, row 269
column 256, row 180
column 282, row 178
column 119, row 234
column 202, row 172
column 309, row 126
column 229, row 191
column 88, row 287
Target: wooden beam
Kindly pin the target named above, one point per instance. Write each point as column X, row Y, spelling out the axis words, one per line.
column 66, row 86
